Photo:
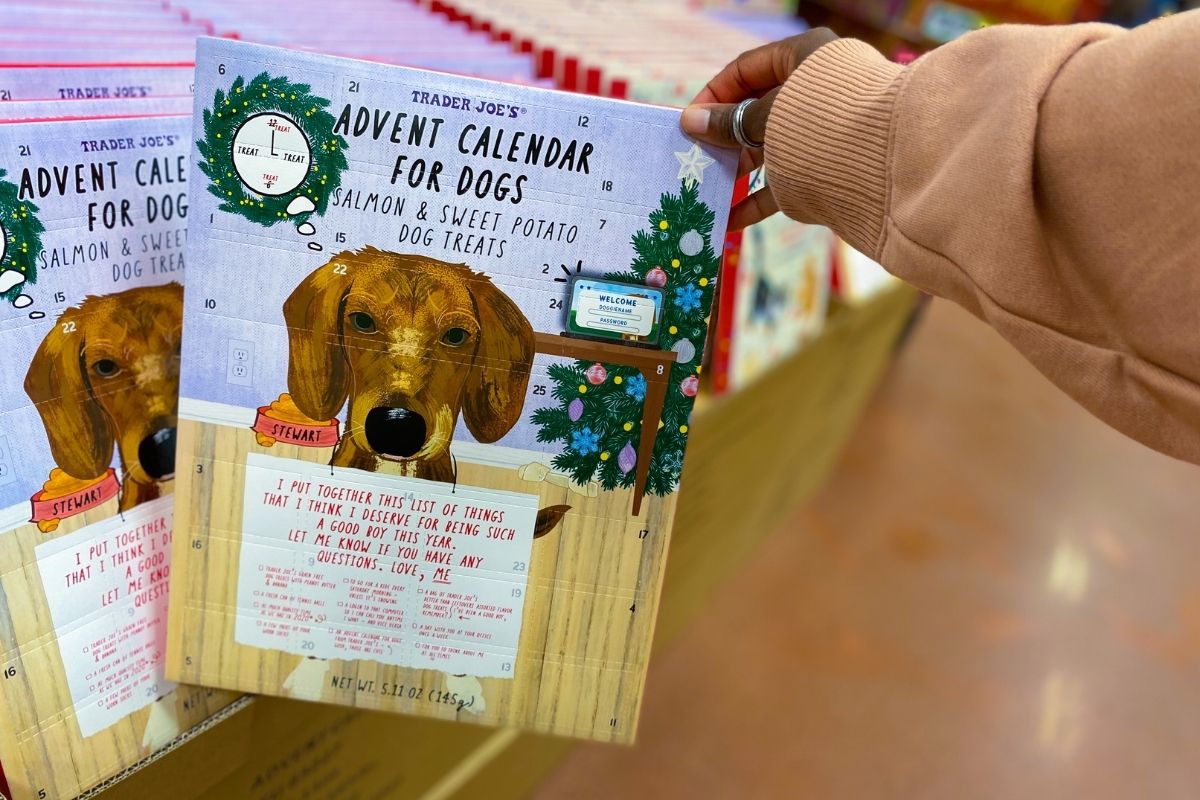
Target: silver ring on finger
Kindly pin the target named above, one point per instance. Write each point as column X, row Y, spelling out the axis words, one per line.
column 739, row 132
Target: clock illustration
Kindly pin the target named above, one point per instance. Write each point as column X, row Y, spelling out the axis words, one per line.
column 3, row 243
column 271, row 154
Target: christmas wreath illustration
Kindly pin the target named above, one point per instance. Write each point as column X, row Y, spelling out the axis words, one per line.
column 270, row 152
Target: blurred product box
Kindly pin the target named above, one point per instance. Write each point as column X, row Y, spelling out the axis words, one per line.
column 782, row 288
column 857, row 278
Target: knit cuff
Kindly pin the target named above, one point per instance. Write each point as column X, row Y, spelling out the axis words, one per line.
column 828, row 141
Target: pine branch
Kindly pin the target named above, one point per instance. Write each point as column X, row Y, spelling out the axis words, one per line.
column 553, row 424
column 625, row 277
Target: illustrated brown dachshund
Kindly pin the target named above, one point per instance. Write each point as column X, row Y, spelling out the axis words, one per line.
column 108, row 372
column 412, row 343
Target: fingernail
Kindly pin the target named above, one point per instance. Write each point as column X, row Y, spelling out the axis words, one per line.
column 695, row 120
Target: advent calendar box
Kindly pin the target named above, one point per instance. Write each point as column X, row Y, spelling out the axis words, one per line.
column 47, row 110
column 31, row 81
column 92, row 227
column 441, row 345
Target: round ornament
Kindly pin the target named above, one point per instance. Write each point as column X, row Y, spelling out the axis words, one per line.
column 627, row 458
column 685, row 351
column 3, row 242
column 596, row 374
column 656, row 277
column 271, row 154
column 690, row 385
column 575, row 410
column 691, row 243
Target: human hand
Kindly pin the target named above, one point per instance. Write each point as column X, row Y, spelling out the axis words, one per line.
column 757, row 73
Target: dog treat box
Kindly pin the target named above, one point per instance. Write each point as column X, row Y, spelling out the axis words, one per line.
column 92, row 226
column 442, row 338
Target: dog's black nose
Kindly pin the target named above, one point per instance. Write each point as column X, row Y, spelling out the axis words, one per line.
column 395, row 431
column 156, row 453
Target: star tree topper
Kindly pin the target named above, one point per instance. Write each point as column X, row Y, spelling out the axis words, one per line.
column 692, row 164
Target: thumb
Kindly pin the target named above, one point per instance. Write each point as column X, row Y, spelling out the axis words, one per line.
column 713, row 122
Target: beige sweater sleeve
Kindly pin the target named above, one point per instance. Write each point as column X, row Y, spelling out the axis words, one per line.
column 1047, row 179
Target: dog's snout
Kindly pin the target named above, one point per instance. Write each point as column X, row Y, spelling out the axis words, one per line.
column 395, row 431
column 156, row 453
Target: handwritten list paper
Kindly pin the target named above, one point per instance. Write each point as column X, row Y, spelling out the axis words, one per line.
column 398, row 570
column 106, row 585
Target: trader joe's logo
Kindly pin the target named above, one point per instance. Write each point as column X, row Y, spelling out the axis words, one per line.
column 20, row 245
column 270, row 152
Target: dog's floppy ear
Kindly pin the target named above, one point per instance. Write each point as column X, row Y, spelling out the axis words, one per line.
column 495, row 390
column 80, row 437
column 318, row 373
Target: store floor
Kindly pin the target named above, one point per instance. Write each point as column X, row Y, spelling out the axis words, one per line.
column 994, row 597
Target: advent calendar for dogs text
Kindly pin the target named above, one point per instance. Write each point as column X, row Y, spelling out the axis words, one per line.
column 442, row 339
column 92, row 230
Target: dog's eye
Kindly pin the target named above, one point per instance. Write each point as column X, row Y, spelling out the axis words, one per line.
column 106, row 368
column 456, row 336
column 362, row 322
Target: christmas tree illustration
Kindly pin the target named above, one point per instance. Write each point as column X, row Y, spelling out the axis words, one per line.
column 598, row 419
column 20, row 244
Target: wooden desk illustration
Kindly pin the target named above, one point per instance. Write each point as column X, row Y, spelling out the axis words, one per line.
column 655, row 366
